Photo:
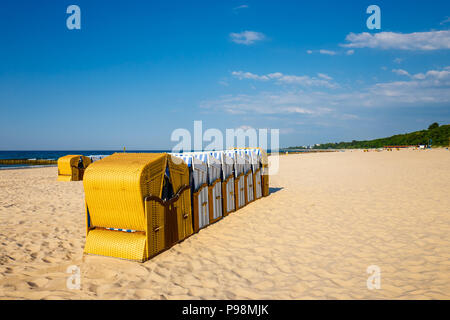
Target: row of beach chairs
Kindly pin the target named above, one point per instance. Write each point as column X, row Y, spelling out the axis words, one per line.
column 140, row 204
column 72, row 167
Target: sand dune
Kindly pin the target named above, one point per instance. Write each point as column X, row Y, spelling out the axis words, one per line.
column 328, row 218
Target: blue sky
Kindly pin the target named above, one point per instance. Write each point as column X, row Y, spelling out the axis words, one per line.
column 137, row 70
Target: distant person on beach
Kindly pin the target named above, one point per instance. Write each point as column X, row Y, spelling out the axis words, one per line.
column 80, row 163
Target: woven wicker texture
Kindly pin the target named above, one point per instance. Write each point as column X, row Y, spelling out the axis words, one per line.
column 155, row 228
column 116, row 186
column 179, row 176
column 124, row 191
column 120, row 193
column 116, row 244
column 65, row 178
column 68, row 167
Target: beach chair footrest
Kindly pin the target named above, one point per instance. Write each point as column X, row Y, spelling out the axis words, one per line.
column 117, row 244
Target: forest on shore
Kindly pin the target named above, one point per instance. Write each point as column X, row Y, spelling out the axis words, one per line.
column 436, row 135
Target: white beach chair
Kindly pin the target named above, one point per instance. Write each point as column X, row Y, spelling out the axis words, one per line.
column 248, row 174
column 227, row 165
column 239, row 178
column 215, row 184
column 97, row 157
column 199, row 186
column 256, row 162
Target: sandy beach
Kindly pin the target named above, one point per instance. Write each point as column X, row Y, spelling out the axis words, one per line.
column 328, row 218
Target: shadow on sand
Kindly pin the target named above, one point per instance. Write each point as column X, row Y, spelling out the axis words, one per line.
column 273, row 190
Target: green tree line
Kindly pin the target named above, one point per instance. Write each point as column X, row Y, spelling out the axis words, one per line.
column 439, row 135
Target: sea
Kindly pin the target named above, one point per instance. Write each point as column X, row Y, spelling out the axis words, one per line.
column 55, row 154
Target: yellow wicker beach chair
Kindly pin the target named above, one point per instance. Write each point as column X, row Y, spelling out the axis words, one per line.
column 72, row 167
column 137, row 205
column 179, row 173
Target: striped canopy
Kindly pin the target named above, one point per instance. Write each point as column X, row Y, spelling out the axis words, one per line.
column 226, row 162
column 192, row 161
column 97, row 157
column 207, row 157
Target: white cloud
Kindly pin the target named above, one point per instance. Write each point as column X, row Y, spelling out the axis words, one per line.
column 432, row 75
column 324, row 76
column 247, row 37
column 348, row 116
column 261, row 103
column 328, row 52
column 446, row 20
column 248, row 75
column 245, row 127
column 421, row 89
column 287, row 130
column 430, row 88
column 400, row 72
column 322, row 80
column 398, row 60
column 244, row 6
column 275, row 75
column 305, row 81
column 432, row 40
